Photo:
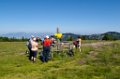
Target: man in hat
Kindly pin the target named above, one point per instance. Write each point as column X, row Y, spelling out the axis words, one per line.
column 46, row 48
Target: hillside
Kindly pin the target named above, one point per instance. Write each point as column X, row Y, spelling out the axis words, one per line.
column 109, row 35
column 113, row 35
column 100, row 60
column 68, row 35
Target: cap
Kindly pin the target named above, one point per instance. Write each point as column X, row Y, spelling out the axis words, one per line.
column 47, row 36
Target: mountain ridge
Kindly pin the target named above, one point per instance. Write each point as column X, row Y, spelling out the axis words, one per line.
column 115, row 35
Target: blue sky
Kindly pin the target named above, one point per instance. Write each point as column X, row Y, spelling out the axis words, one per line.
column 76, row 16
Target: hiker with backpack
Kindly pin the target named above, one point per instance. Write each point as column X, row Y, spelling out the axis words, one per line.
column 77, row 43
column 29, row 46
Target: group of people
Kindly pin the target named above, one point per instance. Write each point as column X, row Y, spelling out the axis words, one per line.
column 33, row 48
column 46, row 44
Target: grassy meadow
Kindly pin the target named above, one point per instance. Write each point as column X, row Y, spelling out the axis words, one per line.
column 94, row 62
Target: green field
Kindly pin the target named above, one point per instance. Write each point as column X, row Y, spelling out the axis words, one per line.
column 99, row 61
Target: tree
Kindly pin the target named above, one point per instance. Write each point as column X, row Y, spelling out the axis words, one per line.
column 107, row 37
column 70, row 38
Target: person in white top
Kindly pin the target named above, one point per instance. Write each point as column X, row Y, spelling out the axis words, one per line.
column 79, row 43
column 30, row 46
column 34, row 49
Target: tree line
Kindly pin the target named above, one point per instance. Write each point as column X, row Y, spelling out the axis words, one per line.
column 13, row 39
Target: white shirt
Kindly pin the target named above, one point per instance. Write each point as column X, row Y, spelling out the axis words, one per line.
column 34, row 46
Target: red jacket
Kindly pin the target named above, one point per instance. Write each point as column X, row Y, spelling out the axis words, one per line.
column 47, row 42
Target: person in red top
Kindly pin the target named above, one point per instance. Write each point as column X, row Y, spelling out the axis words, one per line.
column 46, row 49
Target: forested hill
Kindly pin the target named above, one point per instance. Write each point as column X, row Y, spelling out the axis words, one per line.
column 103, row 36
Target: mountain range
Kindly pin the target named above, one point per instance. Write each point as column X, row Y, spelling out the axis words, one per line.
column 25, row 35
column 114, row 35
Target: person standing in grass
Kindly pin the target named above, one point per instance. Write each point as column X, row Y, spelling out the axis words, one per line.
column 34, row 49
column 30, row 46
column 79, row 43
column 46, row 49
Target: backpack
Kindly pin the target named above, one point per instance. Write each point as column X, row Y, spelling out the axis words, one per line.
column 75, row 42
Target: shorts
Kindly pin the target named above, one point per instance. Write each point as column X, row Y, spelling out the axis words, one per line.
column 34, row 53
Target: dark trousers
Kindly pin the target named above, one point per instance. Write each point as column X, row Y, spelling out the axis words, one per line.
column 46, row 52
column 33, row 54
column 30, row 53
